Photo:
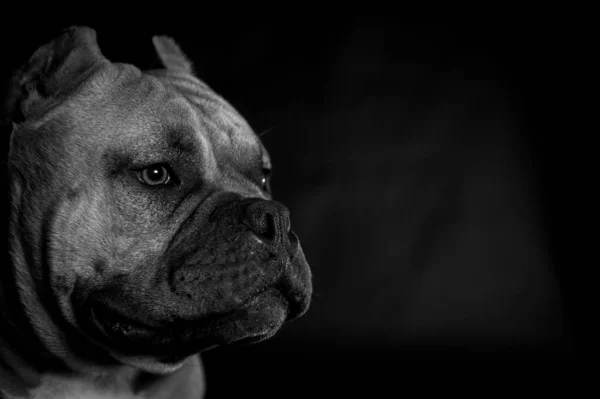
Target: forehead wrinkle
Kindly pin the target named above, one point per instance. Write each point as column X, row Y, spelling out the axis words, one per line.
column 204, row 149
column 181, row 138
column 180, row 131
column 232, row 131
column 182, row 128
column 222, row 130
column 225, row 124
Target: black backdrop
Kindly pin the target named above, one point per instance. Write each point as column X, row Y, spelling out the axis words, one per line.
column 415, row 159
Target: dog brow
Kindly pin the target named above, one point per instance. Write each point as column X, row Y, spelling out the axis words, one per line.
column 182, row 139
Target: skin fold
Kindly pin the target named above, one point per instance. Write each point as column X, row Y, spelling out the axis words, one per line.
column 141, row 228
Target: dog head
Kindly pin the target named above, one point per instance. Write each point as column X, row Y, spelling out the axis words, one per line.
column 142, row 224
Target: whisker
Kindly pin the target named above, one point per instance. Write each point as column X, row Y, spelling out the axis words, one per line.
column 269, row 130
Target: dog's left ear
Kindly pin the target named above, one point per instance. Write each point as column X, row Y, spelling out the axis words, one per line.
column 171, row 55
column 54, row 70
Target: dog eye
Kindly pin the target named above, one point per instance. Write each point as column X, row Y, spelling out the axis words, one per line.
column 155, row 175
column 265, row 182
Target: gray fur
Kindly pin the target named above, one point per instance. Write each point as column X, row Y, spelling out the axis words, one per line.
column 171, row 55
column 82, row 222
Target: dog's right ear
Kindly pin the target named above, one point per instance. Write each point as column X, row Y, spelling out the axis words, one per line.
column 54, row 70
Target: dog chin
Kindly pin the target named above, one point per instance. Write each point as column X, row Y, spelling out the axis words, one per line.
column 151, row 364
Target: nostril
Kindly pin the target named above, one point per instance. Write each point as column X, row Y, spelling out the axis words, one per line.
column 271, row 229
column 269, row 220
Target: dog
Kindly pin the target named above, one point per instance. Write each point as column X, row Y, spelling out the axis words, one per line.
column 141, row 228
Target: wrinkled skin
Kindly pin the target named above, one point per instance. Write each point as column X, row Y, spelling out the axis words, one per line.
column 113, row 270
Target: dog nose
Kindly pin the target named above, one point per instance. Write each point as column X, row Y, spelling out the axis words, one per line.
column 269, row 220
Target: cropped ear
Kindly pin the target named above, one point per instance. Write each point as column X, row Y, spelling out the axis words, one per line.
column 171, row 55
column 54, row 70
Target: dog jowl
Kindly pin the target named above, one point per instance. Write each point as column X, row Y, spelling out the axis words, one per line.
column 141, row 226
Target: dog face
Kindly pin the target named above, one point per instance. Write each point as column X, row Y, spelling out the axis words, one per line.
column 143, row 223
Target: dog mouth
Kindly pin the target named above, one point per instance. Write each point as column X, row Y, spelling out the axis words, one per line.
column 256, row 320
column 116, row 325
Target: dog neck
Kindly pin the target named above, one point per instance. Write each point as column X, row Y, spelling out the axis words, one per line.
column 29, row 370
column 23, row 358
column 17, row 373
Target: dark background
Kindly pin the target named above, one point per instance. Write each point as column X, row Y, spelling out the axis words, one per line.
column 424, row 183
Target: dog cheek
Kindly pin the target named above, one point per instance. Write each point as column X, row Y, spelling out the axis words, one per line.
column 77, row 237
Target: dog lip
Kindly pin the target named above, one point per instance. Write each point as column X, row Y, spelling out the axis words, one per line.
column 113, row 324
column 180, row 338
column 171, row 359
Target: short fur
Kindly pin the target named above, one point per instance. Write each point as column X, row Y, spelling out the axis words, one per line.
column 114, row 285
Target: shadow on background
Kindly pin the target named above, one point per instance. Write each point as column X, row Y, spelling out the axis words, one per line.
column 414, row 163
